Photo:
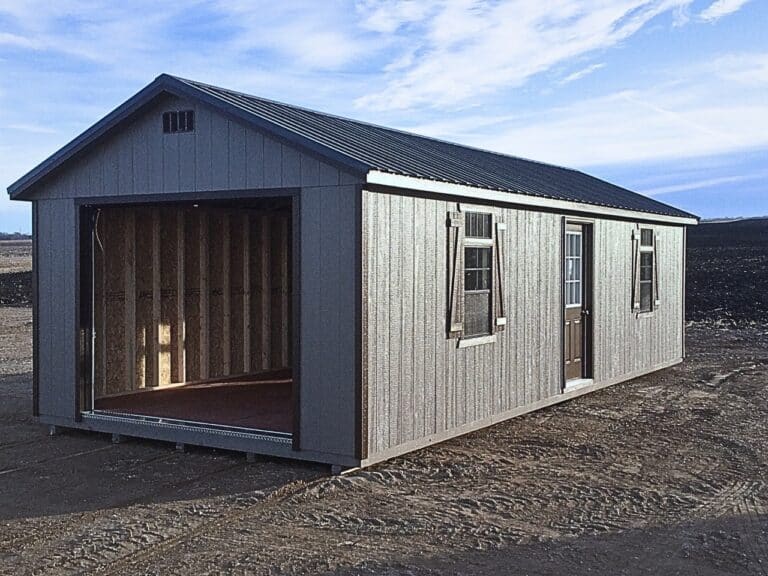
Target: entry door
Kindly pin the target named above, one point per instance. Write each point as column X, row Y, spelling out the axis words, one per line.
column 576, row 315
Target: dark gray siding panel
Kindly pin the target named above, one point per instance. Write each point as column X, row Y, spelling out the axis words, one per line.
column 420, row 384
column 221, row 154
column 56, row 259
column 328, row 307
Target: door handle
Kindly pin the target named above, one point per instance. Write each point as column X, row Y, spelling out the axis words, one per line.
column 585, row 312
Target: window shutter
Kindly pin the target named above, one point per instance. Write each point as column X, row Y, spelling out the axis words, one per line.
column 656, row 300
column 455, row 274
column 636, row 269
column 498, row 283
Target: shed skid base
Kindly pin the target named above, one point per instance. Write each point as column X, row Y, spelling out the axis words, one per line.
column 255, row 442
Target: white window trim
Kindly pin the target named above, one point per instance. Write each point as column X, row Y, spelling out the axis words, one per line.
column 470, row 341
column 652, row 250
column 580, row 280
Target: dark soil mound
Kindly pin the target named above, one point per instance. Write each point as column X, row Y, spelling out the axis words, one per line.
column 727, row 274
column 16, row 289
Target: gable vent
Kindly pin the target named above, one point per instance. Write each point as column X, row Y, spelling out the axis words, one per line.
column 178, row 121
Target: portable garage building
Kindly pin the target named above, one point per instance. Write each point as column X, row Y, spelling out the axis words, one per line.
column 218, row 269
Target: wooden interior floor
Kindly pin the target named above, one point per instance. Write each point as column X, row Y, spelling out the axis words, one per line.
column 260, row 401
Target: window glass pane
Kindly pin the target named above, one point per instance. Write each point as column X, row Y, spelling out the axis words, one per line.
column 646, row 237
column 573, row 244
column 646, row 289
column 477, row 225
column 470, row 257
column 486, row 279
column 477, row 313
column 577, row 269
column 646, row 266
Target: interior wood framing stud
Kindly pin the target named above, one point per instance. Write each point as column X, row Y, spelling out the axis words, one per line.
column 101, row 330
column 130, row 298
column 266, row 291
column 204, row 336
column 181, row 360
column 155, row 341
column 246, row 307
column 226, row 344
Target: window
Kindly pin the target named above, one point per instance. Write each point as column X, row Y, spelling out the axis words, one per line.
column 478, row 244
column 573, row 280
column 475, row 279
column 646, row 270
column 181, row 121
column 646, row 278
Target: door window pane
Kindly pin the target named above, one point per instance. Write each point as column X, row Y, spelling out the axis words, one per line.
column 573, row 263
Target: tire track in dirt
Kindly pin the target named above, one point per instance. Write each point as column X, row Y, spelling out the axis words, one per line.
column 9, row 543
column 98, row 537
column 54, row 459
column 754, row 520
column 222, row 519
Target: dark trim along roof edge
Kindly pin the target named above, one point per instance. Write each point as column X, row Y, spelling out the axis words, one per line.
column 172, row 85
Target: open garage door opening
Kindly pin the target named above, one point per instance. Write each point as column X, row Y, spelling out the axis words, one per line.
column 189, row 309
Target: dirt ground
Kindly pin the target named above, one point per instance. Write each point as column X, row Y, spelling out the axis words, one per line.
column 15, row 273
column 666, row 474
column 728, row 271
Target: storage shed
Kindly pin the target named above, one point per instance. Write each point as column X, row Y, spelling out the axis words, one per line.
column 217, row 269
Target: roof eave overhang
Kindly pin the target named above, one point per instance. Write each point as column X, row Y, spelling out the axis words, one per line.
column 389, row 179
column 174, row 86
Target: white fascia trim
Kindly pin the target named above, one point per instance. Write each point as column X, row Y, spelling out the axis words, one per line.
column 424, row 185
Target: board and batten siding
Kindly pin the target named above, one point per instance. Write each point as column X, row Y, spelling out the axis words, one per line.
column 220, row 154
column 328, row 343
column 56, row 261
column 626, row 343
column 420, row 384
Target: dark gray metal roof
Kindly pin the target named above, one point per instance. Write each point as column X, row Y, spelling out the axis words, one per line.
column 361, row 147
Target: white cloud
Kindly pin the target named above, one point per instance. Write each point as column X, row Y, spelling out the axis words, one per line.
column 744, row 68
column 389, row 16
column 8, row 39
column 581, row 73
column 32, row 128
column 470, row 49
column 699, row 116
column 721, row 8
column 699, row 184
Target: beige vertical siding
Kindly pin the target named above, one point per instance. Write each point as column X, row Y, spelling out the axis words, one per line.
column 625, row 342
column 420, row 384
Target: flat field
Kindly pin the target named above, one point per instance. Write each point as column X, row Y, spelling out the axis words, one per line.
column 666, row 474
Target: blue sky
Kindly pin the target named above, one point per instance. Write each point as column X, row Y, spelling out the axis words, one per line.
column 666, row 97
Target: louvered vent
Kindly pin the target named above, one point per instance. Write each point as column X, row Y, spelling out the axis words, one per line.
column 178, row 121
